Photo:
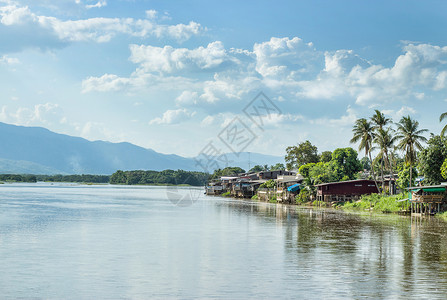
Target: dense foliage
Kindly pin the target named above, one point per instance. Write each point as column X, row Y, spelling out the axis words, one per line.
column 228, row 171
column 269, row 184
column 84, row 178
column 17, row 178
column 379, row 203
column 164, row 177
column 431, row 159
column 302, row 154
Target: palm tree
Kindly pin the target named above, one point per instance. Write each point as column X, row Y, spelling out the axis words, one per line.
column 379, row 120
column 410, row 138
column 384, row 140
column 364, row 132
column 441, row 118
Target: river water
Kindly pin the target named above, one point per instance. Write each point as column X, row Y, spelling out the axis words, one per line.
column 86, row 242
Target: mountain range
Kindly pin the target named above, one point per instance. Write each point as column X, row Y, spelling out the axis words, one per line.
column 37, row 150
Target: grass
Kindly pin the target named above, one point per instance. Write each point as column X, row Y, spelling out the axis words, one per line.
column 378, row 203
column 442, row 215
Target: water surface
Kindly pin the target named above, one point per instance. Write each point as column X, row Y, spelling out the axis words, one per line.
column 84, row 242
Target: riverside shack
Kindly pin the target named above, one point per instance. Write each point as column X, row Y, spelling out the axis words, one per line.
column 345, row 190
column 428, row 199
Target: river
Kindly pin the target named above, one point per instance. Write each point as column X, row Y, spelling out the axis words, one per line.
column 100, row 241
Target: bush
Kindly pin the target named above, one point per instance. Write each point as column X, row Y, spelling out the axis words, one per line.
column 379, row 203
column 303, row 196
column 226, row 194
column 255, row 197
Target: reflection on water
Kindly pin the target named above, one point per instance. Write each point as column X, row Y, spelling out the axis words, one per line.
column 130, row 242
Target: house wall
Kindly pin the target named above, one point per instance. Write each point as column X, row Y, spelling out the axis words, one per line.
column 348, row 188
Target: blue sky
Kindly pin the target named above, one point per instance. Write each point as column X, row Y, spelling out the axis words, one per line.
column 172, row 75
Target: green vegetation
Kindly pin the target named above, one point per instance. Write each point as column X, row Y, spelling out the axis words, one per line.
column 84, row 178
column 226, row 194
column 431, row 159
column 410, row 138
column 303, row 196
column 169, row 177
column 378, row 203
column 269, row 184
column 228, row 171
column 17, row 178
column 255, row 197
column 300, row 155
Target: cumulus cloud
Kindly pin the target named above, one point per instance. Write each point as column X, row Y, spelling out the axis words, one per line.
column 345, row 74
column 20, row 20
column 107, row 82
column 173, row 117
column 44, row 114
column 169, row 59
column 285, row 57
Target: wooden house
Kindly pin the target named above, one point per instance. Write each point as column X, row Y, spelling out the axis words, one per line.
column 428, row 199
column 345, row 190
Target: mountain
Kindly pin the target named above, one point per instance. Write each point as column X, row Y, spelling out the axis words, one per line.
column 37, row 150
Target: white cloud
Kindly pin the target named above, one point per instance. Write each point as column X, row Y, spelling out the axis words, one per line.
column 45, row 114
column 346, row 120
column 98, row 4
column 187, row 98
column 168, row 59
column 284, row 57
column 173, row 117
column 107, row 82
column 94, row 29
column 8, row 60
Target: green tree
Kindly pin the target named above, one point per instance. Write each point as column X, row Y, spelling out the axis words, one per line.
column 119, row 177
column 379, row 120
column 366, row 164
column 326, row 156
column 431, row 159
column 405, row 177
column 384, row 139
column 256, row 169
column 345, row 163
column 364, row 133
column 277, row 167
column 322, row 173
column 441, row 118
column 444, row 169
column 269, row 184
column 410, row 138
column 305, row 169
column 299, row 155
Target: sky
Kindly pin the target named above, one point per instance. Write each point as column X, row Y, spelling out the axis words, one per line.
column 191, row 77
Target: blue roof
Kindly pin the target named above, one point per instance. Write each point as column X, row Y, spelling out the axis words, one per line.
column 294, row 188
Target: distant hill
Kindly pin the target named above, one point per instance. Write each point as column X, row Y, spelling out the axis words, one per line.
column 37, row 150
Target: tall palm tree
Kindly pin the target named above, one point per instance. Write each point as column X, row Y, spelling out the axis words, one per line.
column 441, row 118
column 410, row 138
column 379, row 122
column 364, row 132
column 384, row 139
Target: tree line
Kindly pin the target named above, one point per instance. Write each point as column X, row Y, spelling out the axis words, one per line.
column 17, row 178
column 178, row 177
